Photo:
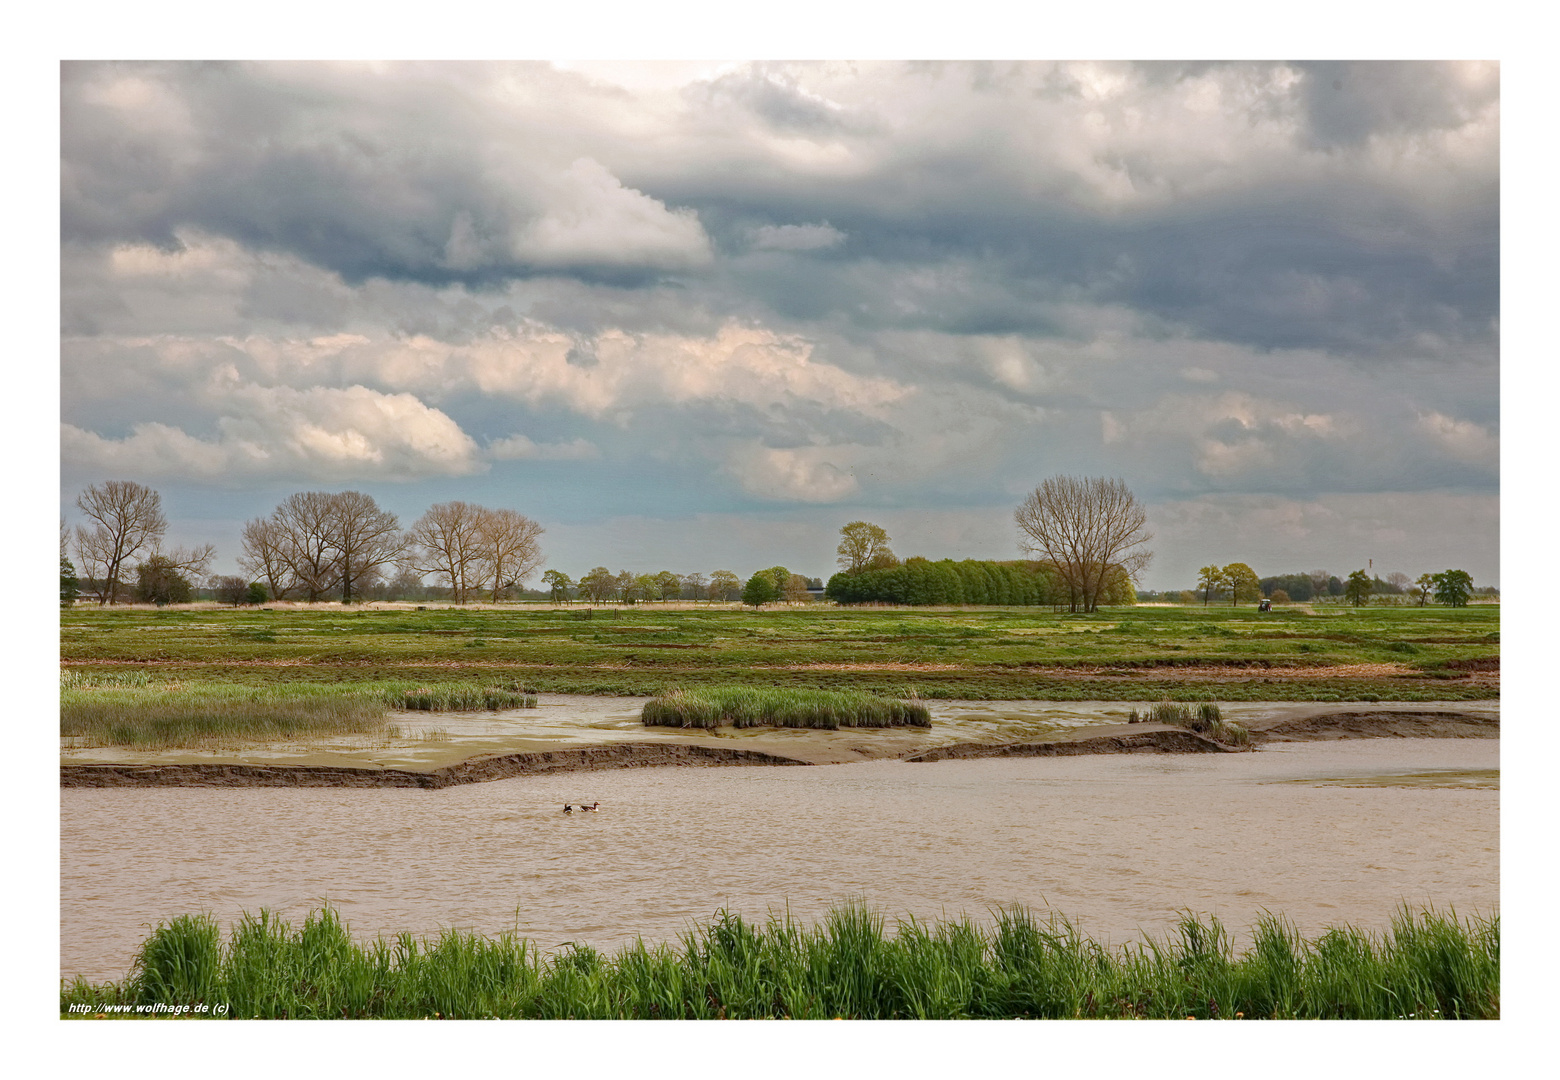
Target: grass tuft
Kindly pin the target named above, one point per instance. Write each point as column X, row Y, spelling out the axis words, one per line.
column 744, row 706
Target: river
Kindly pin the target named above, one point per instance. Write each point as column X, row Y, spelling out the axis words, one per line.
column 1324, row 832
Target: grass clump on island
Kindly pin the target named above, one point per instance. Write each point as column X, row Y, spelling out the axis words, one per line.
column 131, row 710
column 750, row 706
column 1429, row 965
column 1202, row 717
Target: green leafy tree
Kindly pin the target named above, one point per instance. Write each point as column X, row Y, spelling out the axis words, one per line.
column 559, row 585
column 255, row 594
column 1358, row 589
column 158, row 581
column 598, row 585
column 1243, row 582
column 70, row 585
column 1424, row 585
column 1210, row 579
column 760, row 589
column 668, row 585
column 1453, row 587
column 864, row 546
column 724, row 585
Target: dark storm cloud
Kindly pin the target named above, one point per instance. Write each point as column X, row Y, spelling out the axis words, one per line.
column 407, row 178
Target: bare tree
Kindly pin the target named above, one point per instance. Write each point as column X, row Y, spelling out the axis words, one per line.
column 366, row 538
column 510, row 548
column 266, row 556
column 795, row 591
column 864, row 546
column 307, row 523
column 1086, row 526
column 124, row 519
column 447, row 543
column 693, row 584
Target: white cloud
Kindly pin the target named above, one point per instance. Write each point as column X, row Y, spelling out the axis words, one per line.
column 1461, row 440
column 593, row 219
column 279, row 432
column 520, row 448
column 801, row 474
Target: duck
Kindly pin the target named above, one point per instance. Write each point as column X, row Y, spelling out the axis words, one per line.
column 567, row 808
column 592, row 806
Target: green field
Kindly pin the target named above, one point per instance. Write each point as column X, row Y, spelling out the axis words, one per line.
column 1143, row 653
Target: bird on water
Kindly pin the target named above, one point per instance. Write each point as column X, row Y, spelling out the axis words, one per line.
column 568, row 809
column 592, row 806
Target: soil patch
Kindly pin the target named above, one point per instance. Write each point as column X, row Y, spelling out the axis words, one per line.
column 1162, row 741
column 475, row 771
column 1382, row 724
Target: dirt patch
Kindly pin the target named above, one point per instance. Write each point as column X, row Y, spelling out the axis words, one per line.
column 1163, row 741
column 476, row 771
column 1382, row 724
column 1476, row 663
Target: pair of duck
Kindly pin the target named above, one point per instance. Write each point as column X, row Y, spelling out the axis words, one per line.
column 568, row 808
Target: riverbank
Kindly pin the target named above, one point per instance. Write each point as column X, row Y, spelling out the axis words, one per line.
column 1270, row 723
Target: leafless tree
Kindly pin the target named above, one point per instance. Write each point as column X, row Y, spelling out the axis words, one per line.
column 694, row 584
column 366, row 538
column 1085, row 527
column 511, row 551
column 795, row 591
column 124, row 520
column 266, row 556
column 447, row 543
column 191, row 562
column 307, row 525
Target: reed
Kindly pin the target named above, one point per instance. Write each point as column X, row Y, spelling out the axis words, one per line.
column 749, row 706
column 104, row 711
column 459, row 697
column 1202, row 717
column 158, row 718
column 1429, row 965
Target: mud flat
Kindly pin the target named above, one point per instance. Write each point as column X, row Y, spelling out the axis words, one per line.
column 1008, row 730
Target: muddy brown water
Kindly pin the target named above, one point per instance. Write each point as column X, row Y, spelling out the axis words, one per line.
column 1324, row 833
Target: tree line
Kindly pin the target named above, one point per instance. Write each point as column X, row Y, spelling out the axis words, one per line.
column 1238, row 583
column 314, row 546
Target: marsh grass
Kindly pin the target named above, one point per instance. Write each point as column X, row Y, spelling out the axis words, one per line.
column 205, row 715
column 1202, row 717
column 1429, row 965
column 140, row 715
column 457, row 697
column 749, row 706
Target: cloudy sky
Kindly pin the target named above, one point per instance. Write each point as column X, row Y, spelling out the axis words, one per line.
column 697, row 316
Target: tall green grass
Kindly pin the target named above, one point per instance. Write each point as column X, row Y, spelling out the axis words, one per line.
column 105, row 711
column 747, row 706
column 1429, row 965
column 1202, row 717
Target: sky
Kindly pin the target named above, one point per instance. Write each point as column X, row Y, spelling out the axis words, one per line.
column 699, row 315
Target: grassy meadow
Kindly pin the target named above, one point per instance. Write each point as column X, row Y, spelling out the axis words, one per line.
column 1132, row 653
column 1430, row 965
